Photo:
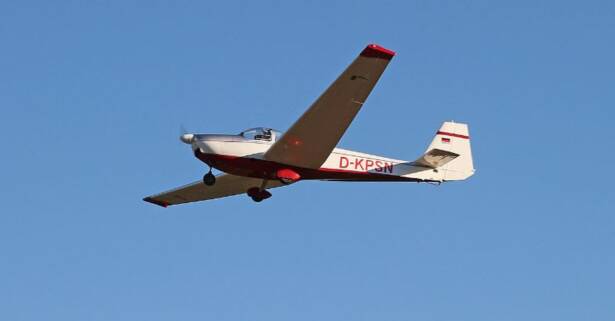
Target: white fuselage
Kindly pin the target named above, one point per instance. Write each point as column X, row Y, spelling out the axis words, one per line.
column 340, row 160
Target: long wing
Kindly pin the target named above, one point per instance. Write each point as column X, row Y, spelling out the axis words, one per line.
column 311, row 139
column 226, row 185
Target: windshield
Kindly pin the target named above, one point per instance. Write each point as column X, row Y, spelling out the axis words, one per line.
column 260, row 133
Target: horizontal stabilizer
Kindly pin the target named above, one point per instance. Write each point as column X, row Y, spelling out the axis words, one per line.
column 435, row 158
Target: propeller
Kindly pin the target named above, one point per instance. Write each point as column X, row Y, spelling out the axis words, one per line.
column 184, row 136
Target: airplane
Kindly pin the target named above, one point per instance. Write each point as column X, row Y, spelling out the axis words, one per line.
column 259, row 159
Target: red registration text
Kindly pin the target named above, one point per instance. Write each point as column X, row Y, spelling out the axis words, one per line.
column 366, row 165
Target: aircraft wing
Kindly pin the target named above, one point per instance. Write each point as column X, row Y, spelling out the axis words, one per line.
column 226, row 185
column 312, row 138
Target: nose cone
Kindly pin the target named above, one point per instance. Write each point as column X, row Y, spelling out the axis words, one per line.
column 187, row 138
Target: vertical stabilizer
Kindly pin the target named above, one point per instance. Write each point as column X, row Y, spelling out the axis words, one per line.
column 454, row 138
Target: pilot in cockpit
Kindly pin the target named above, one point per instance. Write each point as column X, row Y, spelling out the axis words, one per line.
column 265, row 134
column 261, row 134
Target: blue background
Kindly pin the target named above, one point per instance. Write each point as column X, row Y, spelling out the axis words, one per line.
column 93, row 93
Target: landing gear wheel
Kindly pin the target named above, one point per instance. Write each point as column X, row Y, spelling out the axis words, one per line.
column 209, row 179
column 258, row 195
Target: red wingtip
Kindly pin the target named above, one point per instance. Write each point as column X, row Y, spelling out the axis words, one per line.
column 155, row 201
column 375, row 51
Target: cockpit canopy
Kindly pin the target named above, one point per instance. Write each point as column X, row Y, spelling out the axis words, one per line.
column 261, row 133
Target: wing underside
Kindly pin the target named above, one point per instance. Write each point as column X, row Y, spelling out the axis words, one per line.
column 226, row 185
column 312, row 137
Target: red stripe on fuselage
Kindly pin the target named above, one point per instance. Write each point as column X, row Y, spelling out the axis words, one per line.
column 260, row 168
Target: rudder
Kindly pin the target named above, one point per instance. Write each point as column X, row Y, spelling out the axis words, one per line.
column 454, row 138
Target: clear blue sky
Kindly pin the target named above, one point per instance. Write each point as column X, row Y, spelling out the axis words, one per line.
column 92, row 97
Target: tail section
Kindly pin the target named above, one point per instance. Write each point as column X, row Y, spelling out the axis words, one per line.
column 450, row 152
